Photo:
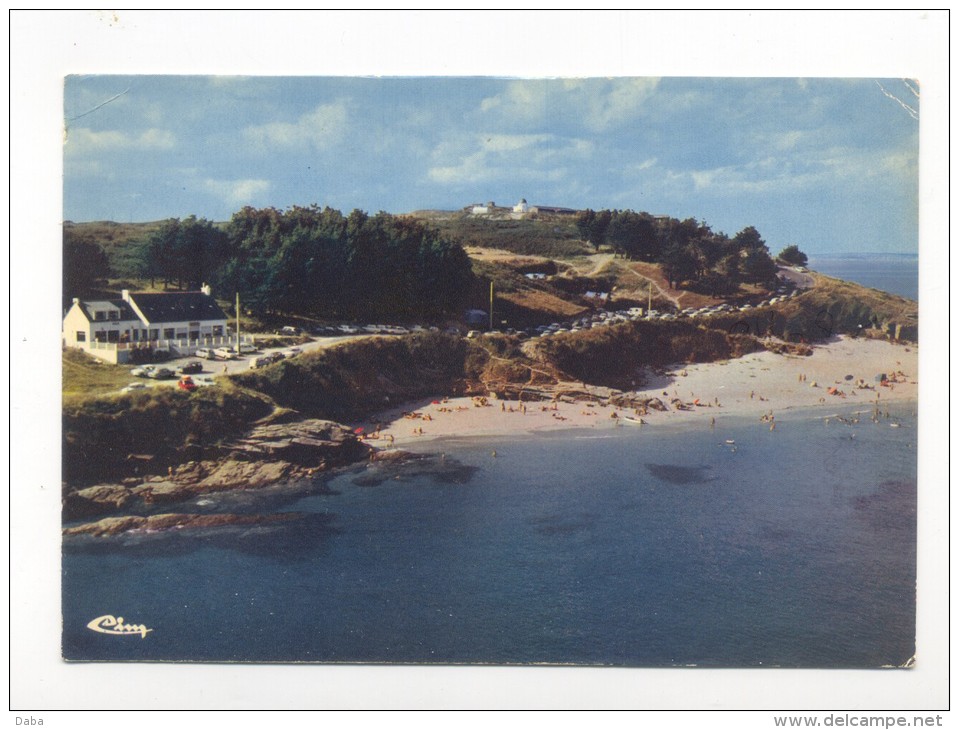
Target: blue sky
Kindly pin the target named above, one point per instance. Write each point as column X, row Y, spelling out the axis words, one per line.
column 828, row 164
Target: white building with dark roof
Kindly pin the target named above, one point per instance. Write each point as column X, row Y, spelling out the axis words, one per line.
column 174, row 322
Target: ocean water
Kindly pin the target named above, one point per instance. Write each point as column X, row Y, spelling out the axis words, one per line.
column 894, row 273
column 637, row 546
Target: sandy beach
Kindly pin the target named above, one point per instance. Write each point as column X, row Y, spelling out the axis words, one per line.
column 761, row 384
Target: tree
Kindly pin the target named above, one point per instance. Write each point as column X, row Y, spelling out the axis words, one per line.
column 85, row 264
column 792, row 255
column 633, row 235
column 592, row 226
column 188, row 251
column 758, row 266
column 679, row 263
column 750, row 240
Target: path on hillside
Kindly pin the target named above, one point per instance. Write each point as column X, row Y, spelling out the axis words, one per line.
column 600, row 260
column 664, row 293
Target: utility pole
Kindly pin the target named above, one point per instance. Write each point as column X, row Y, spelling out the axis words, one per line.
column 491, row 306
column 238, row 323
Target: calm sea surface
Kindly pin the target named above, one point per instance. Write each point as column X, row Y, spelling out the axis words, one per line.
column 630, row 546
column 895, row 273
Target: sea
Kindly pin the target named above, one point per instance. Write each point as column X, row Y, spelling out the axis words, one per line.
column 897, row 273
column 733, row 546
column 638, row 546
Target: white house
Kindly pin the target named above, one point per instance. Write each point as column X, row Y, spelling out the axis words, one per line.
column 176, row 322
column 483, row 209
column 521, row 207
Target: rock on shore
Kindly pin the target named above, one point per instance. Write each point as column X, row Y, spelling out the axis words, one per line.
column 266, row 455
column 110, row 526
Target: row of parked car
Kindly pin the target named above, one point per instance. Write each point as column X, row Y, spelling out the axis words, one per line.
column 368, row 329
column 161, row 373
column 225, row 353
column 261, row 361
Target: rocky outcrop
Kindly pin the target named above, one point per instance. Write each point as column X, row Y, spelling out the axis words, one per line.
column 310, row 442
column 266, row 455
column 98, row 500
column 403, row 466
column 110, row 526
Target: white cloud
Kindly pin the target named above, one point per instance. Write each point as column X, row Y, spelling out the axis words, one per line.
column 82, row 140
column 826, row 168
column 236, row 192
column 486, row 157
column 596, row 104
column 318, row 129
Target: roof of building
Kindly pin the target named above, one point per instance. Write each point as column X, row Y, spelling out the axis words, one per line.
column 126, row 311
column 177, row 306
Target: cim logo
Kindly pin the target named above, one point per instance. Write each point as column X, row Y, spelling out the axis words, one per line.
column 115, row 627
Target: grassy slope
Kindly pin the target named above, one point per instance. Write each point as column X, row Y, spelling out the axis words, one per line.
column 552, row 236
column 84, row 376
column 99, row 432
column 119, row 240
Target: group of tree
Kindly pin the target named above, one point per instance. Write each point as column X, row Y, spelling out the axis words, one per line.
column 792, row 255
column 314, row 261
column 85, row 267
column 690, row 252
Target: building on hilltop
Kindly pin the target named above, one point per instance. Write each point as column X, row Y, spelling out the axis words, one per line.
column 483, row 209
column 173, row 322
column 553, row 210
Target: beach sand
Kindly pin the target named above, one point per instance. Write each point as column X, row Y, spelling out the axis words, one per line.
column 761, row 384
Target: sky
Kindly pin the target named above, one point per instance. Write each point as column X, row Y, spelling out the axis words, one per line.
column 829, row 164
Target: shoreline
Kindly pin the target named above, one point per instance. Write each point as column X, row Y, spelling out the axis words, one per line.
column 758, row 385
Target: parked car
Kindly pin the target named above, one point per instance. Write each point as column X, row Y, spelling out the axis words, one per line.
column 472, row 334
column 193, row 366
column 143, row 371
column 161, row 374
column 133, row 387
column 224, row 353
column 276, row 356
column 290, row 331
column 247, row 349
column 206, row 353
column 186, row 383
column 292, row 352
column 261, row 362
